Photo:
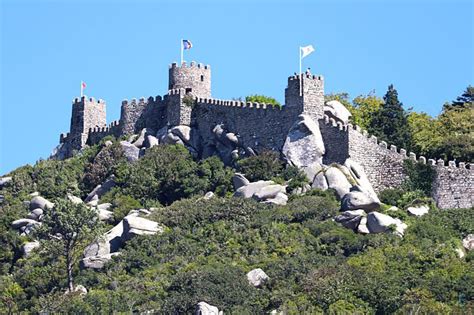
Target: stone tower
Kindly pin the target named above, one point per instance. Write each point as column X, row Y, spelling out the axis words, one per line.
column 311, row 102
column 194, row 78
column 86, row 114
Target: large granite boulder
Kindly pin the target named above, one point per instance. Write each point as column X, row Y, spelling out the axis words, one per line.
column 17, row 224
column 151, row 141
column 418, row 211
column 202, row 308
column 28, row 247
column 40, row 202
column 358, row 175
column 110, row 242
column 4, row 181
column 140, row 141
column 130, row 151
column 74, row 199
column 468, row 242
column 101, row 189
column 35, row 214
column 304, row 144
column 337, row 180
column 250, row 189
column 351, row 219
column 357, row 199
column 257, row 277
column 239, row 180
column 337, row 111
column 269, row 192
column 320, row 181
column 133, row 226
column 280, row 199
column 378, row 222
column 97, row 262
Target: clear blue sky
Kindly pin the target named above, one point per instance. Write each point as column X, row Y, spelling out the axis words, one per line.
column 122, row 49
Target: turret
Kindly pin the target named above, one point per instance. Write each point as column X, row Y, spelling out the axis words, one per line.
column 309, row 99
column 194, row 78
column 86, row 114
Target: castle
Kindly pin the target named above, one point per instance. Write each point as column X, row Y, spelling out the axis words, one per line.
column 261, row 127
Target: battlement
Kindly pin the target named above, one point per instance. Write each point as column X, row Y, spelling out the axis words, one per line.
column 392, row 149
column 305, row 76
column 84, row 99
column 234, row 103
column 193, row 64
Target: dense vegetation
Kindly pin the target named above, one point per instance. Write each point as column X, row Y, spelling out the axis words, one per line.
column 315, row 265
column 448, row 136
column 208, row 246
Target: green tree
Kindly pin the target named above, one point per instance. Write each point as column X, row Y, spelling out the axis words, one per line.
column 71, row 227
column 364, row 108
column 262, row 99
column 465, row 100
column 390, row 122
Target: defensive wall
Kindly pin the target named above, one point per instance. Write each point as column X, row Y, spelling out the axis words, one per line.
column 263, row 127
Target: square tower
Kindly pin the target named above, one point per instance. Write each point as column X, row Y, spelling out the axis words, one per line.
column 309, row 99
column 86, row 114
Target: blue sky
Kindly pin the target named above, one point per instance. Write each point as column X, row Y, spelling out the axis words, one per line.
column 122, row 49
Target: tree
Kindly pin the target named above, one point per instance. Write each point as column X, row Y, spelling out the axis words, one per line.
column 390, row 122
column 262, row 99
column 465, row 100
column 364, row 108
column 426, row 133
column 71, row 227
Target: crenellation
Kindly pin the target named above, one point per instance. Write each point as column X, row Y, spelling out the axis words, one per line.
column 262, row 126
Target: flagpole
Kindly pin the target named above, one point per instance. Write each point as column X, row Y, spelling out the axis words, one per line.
column 301, row 88
column 181, row 45
column 82, row 89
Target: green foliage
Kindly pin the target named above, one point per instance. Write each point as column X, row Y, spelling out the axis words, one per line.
column 391, row 196
column 121, row 204
column 69, row 226
column 188, row 100
column 10, row 293
column 264, row 166
column 419, row 177
column 262, row 99
column 364, row 109
column 390, row 122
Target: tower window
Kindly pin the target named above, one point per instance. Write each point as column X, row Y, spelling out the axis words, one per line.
column 188, row 90
column 202, row 78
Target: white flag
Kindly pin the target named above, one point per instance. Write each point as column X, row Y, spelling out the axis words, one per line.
column 306, row 50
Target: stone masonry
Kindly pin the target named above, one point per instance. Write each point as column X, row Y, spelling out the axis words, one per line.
column 261, row 127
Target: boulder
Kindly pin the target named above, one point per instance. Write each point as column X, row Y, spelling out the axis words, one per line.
column 250, row 189
column 257, row 277
column 269, row 192
column 209, row 195
column 400, row 227
column 468, row 242
column 393, row 208
column 337, row 111
column 40, row 202
column 362, row 228
column 108, row 143
column 141, row 139
column 4, row 181
column 34, row 194
column 304, row 144
column 133, row 226
column 280, row 199
column 81, row 289
column 183, row 132
column 311, row 171
column 110, row 242
column 359, row 200
column 97, row 262
column 100, row 190
column 460, row 252
column 232, row 138
column 418, row 211
column 351, row 219
column 27, row 229
column 151, row 141
column 338, row 181
column 17, row 224
column 378, row 222
column 239, row 180
column 29, row 247
column 104, row 206
column 35, row 214
column 130, row 151
column 320, row 181
column 358, row 175
column 202, row 308
column 74, row 199
column 105, row 215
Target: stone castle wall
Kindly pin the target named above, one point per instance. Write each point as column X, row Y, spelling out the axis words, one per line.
column 262, row 127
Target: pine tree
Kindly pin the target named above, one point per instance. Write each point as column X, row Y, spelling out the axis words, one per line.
column 466, row 100
column 390, row 123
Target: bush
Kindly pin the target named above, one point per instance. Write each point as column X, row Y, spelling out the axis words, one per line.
column 419, row 177
column 264, row 166
column 391, row 196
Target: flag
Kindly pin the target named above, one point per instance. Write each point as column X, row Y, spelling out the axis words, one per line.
column 306, row 50
column 187, row 44
column 83, row 84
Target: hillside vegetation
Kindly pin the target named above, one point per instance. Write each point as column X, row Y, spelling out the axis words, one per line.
column 314, row 264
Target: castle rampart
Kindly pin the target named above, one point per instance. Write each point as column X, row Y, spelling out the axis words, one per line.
column 262, row 127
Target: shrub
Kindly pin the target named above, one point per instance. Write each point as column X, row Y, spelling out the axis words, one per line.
column 391, row 196
column 264, row 166
column 419, row 177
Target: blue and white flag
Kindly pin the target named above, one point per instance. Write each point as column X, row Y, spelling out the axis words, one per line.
column 187, row 44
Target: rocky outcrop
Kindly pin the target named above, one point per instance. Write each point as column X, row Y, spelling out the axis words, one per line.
column 257, row 277
column 418, row 211
column 351, row 219
column 336, row 110
column 468, row 242
column 74, row 199
column 101, row 189
column 360, row 178
column 130, row 151
column 304, row 145
column 4, row 181
column 378, row 222
column 133, row 226
column 338, row 181
column 263, row 191
column 239, row 180
column 97, row 262
column 359, row 200
column 202, row 308
column 40, row 202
